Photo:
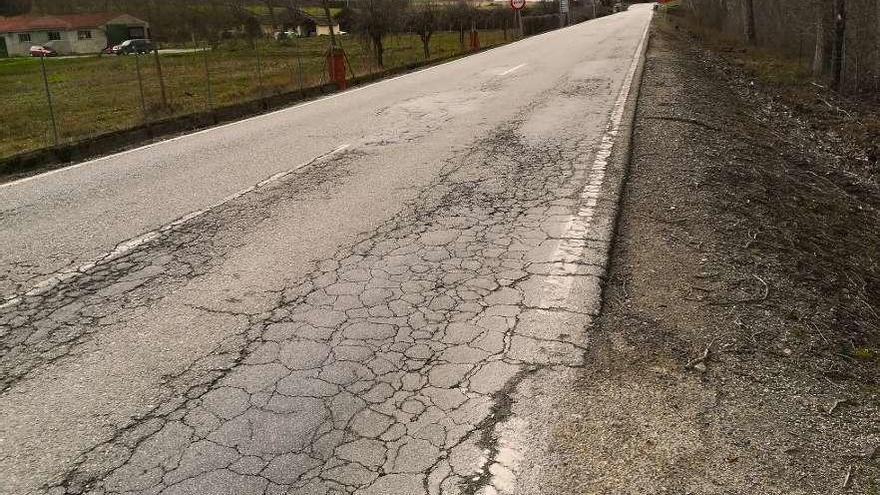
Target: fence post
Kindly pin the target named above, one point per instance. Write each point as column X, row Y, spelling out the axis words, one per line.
column 161, row 78
column 259, row 69
column 137, row 64
column 299, row 59
column 208, row 79
column 49, row 100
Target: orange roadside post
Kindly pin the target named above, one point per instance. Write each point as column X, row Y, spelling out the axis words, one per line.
column 336, row 67
column 335, row 55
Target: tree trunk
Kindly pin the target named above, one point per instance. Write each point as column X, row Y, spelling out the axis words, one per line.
column 839, row 43
column 380, row 50
column 426, row 44
column 271, row 6
column 823, row 50
column 750, row 21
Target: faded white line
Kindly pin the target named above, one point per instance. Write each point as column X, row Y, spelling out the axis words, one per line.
column 509, row 454
column 581, row 222
column 129, row 245
column 512, row 69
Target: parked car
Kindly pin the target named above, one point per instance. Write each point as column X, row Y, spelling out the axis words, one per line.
column 133, row 47
column 42, row 51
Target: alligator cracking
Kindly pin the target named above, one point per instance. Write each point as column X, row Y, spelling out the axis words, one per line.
column 386, row 370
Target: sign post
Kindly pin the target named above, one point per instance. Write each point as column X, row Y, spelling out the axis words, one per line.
column 517, row 6
column 563, row 13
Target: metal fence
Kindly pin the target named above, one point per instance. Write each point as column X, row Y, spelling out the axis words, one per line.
column 56, row 101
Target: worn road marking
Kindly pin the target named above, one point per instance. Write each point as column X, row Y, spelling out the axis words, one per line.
column 129, row 245
column 512, row 69
column 505, row 466
column 581, row 221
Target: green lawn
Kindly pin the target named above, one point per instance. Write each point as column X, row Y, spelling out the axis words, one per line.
column 96, row 95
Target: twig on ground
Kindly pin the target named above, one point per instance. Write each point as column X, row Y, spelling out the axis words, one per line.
column 766, row 288
column 836, row 404
column 701, row 359
column 848, row 479
column 816, row 327
column 685, row 121
column 750, row 300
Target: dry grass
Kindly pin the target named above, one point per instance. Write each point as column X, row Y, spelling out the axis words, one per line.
column 813, row 196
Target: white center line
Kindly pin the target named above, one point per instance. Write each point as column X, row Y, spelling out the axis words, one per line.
column 512, row 69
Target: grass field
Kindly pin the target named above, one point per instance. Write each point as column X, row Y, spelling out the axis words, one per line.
column 96, row 95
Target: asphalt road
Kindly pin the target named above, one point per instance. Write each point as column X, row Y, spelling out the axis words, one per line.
column 343, row 296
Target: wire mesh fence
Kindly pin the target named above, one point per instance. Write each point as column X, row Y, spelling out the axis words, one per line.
column 95, row 95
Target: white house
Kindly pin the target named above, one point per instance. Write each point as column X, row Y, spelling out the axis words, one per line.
column 68, row 34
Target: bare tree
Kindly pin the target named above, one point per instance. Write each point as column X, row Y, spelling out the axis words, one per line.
column 270, row 6
column 459, row 17
column 750, row 21
column 423, row 21
column 376, row 19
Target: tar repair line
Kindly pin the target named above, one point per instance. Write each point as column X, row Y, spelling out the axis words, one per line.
column 127, row 246
column 509, row 455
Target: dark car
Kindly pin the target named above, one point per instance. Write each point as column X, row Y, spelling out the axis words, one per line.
column 42, row 51
column 130, row 47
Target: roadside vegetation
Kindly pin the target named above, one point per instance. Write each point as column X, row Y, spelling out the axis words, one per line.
column 95, row 95
column 217, row 53
column 738, row 349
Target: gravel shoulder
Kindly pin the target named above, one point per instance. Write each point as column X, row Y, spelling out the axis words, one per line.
column 737, row 349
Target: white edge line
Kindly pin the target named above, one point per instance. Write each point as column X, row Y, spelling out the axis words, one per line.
column 581, row 221
column 129, row 245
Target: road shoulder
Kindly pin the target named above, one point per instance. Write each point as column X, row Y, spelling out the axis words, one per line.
column 728, row 358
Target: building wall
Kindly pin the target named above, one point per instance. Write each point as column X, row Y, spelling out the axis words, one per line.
column 69, row 42
column 325, row 30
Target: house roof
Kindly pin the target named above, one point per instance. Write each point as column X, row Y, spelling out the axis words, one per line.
column 319, row 19
column 25, row 23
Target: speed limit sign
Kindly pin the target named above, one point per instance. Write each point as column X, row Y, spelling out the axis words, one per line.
column 517, row 4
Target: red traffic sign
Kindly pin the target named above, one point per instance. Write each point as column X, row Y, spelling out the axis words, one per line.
column 517, row 4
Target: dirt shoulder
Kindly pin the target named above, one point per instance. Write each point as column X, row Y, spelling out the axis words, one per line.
column 738, row 347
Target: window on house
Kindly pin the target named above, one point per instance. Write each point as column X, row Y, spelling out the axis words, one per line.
column 24, row 38
column 54, row 35
column 84, row 35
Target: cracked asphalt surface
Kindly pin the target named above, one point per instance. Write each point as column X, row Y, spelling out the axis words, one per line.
column 368, row 323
